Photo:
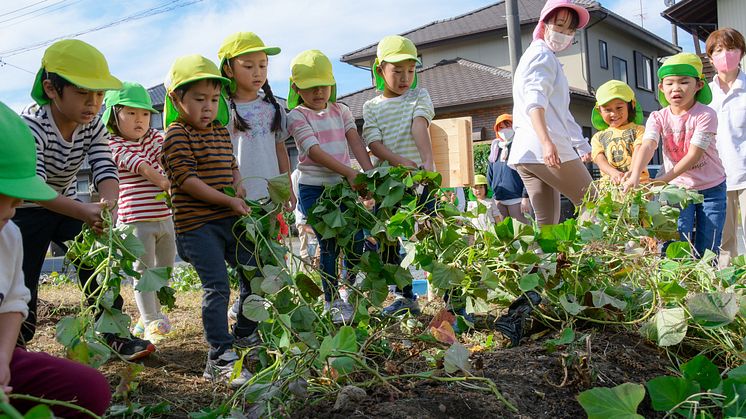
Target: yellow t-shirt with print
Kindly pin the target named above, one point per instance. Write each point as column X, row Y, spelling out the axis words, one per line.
column 617, row 145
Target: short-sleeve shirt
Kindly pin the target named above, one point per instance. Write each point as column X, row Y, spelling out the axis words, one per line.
column 697, row 127
column 206, row 154
column 617, row 145
column 58, row 161
column 487, row 220
column 327, row 129
column 389, row 120
column 731, row 111
column 255, row 149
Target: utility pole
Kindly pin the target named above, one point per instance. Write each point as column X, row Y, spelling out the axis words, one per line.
column 514, row 33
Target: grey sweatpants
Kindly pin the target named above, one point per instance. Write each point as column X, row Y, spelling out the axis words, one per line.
column 545, row 184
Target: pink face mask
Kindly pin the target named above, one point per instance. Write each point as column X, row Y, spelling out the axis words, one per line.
column 727, row 60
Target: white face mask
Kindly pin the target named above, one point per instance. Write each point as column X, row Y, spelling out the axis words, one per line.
column 507, row 135
column 557, row 41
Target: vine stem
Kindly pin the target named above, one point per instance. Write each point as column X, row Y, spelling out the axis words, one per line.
column 40, row 400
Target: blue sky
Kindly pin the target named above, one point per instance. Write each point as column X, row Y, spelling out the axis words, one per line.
column 142, row 50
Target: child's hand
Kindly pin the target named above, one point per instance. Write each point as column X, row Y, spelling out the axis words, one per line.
column 292, row 203
column 525, row 206
column 91, row 214
column 551, row 157
column 630, row 182
column 238, row 205
column 5, row 378
column 351, row 180
column 409, row 163
column 616, row 176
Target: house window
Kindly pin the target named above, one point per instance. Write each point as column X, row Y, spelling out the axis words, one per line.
column 643, row 72
column 619, row 68
column 603, row 53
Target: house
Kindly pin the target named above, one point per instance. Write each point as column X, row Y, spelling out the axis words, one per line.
column 702, row 17
column 466, row 66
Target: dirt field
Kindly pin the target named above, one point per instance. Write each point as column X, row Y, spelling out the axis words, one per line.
column 539, row 384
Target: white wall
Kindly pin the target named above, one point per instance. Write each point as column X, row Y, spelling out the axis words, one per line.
column 732, row 14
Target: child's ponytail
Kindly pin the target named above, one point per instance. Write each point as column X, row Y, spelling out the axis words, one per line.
column 269, row 97
column 239, row 123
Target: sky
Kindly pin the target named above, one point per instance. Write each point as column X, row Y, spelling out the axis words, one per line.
column 142, row 50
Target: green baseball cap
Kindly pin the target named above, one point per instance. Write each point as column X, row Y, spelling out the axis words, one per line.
column 685, row 64
column 18, row 178
column 310, row 68
column 77, row 62
column 187, row 69
column 132, row 95
column 394, row 49
column 614, row 89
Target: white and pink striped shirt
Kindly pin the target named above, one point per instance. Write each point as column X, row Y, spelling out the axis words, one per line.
column 327, row 129
column 136, row 194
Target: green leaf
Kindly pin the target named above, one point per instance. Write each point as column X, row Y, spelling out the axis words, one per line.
column 572, row 307
column 738, row 374
column 133, row 245
column 735, row 398
column 279, row 188
column 334, row 219
column 671, row 291
column 255, row 308
column 446, row 276
column 667, row 392
column 274, row 279
column 679, row 250
column 167, row 297
column 69, row 329
column 713, row 309
column 113, row 321
column 602, row 299
column 670, row 325
column 618, row 402
column 456, row 358
column 489, row 279
column 39, row 412
column 393, row 197
column 703, row 371
column 307, row 287
column 529, row 282
column 566, row 337
column 332, row 348
column 153, row 279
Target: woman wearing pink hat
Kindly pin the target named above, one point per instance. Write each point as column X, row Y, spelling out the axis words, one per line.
column 548, row 142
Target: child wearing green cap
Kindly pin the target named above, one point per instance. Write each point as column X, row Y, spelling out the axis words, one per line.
column 618, row 117
column 396, row 127
column 324, row 132
column 68, row 92
column 687, row 128
column 200, row 164
column 491, row 215
column 137, row 152
column 23, row 372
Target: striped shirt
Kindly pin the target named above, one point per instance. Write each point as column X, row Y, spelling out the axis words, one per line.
column 206, row 154
column 327, row 129
column 58, row 160
column 389, row 120
column 136, row 194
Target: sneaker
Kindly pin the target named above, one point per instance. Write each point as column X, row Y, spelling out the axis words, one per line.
column 221, row 369
column 157, row 330
column 130, row 349
column 233, row 311
column 341, row 312
column 401, row 305
column 138, row 330
column 461, row 312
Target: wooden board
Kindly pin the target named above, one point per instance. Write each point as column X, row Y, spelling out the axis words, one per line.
column 453, row 151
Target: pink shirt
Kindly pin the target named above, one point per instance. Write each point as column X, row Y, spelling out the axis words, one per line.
column 327, row 129
column 697, row 127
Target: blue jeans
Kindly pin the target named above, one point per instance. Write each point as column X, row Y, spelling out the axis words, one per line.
column 208, row 248
column 308, row 195
column 708, row 218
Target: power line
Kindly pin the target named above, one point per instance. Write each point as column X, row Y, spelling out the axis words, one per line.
column 172, row 5
column 31, row 12
column 64, row 6
column 3, row 63
column 22, row 8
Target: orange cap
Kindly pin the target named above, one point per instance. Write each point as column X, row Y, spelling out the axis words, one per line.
column 502, row 118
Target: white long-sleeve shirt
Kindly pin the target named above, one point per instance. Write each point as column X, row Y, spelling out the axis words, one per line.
column 731, row 136
column 14, row 296
column 541, row 83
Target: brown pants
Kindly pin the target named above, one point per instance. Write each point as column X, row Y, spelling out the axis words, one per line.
column 545, row 184
column 736, row 200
